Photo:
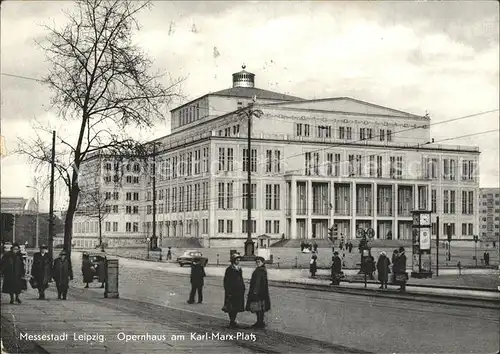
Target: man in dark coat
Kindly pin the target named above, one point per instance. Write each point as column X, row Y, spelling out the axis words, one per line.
column 197, row 275
column 234, row 290
column 350, row 246
column 101, row 270
column 12, row 267
column 87, row 270
column 40, row 271
column 400, row 269
column 383, row 269
column 336, row 269
column 62, row 272
column 258, row 300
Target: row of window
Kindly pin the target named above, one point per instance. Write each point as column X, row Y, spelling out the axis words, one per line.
column 355, row 167
column 449, row 200
column 189, row 114
column 186, row 164
column 467, row 229
column 344, row 133
column 449, row 169
column 230, row 131
column 184, row 198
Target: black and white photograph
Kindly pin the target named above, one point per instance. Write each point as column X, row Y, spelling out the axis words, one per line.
column 249, row 176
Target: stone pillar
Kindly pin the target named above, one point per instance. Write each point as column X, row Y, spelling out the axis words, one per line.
column 293, row 208
column 331, row 201
column 353, row 210
column 415, row 196
column 309, row 209
column 395, row 235
column 374, row 209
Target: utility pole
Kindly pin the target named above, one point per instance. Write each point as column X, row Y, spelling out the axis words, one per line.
column 153, row 238
column 250, row 112
column 51, row 203
column 437, row 246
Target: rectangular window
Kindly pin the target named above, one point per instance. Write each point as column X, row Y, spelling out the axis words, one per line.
column 362, row 135
column 204, row 228
column 220, row 228
column 269, row 161
column 337, row 165
column 115, row 226
column 135, row 227
column 128, row 227
column 341, row 132
column 445, row 202
column 276, row 197
column 329, row 164
column 205, row 159
column 452, row 202
column 276, row 226
column 471, row 202
column 308, row 164
column 108, row 226
column 277, row 161
column 464, row 229
column 190, row 164
column 389, row 135
column 269, row 196
column 379, row 167
column 197, row 156
column 229, row 228
column 382, row 135
column 205, row 195
column 221, row 159
column 230, row 159
column 268, row 226
column 316, row 163
column 434, row 228
column 349, row 133
column 471, row 229
column 464, row 202
column 229, row 202
column 372, row 165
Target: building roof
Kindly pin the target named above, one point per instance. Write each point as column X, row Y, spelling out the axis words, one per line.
column 17, row 205
column 250, row 92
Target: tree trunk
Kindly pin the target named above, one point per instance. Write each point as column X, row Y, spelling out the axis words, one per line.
column 68, row 224
column 100, row 231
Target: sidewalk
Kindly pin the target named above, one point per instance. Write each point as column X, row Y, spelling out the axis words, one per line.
column 79, row 326
column 301, row 276
column 88, row 323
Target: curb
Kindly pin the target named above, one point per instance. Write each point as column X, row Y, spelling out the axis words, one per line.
column 12, row 343
column 430, row 286
column 409, row 296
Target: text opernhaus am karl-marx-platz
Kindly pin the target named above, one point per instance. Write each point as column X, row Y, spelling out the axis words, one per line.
column 314, row 163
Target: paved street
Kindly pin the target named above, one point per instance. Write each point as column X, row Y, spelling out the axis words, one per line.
column 377, row 324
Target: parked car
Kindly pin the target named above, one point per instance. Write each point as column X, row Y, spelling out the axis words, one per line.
column 95, row 260
column 187, row 258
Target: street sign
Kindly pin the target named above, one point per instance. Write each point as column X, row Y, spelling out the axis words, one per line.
column 360, row 233
column 370, row 232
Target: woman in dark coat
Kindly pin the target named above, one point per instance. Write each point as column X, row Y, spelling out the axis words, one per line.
column 336, row 269
column 313, row 265
column 258, row 300
column 87, row 270
column 62, row 271
column 40, row 271
column 400, row 269
column 234, row 290
column 13, row 271
column 383, row 269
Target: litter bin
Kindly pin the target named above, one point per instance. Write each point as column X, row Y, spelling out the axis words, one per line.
column 111, row 288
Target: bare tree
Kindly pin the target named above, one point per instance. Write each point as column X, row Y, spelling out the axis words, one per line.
column 94, row 204
column 101, row 80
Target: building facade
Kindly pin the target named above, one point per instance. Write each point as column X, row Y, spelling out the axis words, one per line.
column 489, row 217
column 314, row 163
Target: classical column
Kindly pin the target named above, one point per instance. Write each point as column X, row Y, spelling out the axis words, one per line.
column 415, row 197
column 293, row 208
column 429, row 197
column 309, row 209
column 374, row 209
column 395, row 210
column 353, row 210
column 331, row 202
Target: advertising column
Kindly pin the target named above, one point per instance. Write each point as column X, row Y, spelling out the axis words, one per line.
column 421, row 260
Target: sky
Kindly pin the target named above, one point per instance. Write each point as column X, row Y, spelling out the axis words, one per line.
column 435, row 57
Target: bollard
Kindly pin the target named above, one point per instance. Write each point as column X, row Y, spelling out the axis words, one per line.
column 111, row 288
column 217, row 259
column 296, row 262
column 278, row 262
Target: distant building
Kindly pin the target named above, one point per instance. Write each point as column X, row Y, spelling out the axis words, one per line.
column 314, row 163
column 18, row 206
column 489, row 214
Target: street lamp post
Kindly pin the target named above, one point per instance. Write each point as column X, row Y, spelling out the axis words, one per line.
column 37, row 236
column 250, row 113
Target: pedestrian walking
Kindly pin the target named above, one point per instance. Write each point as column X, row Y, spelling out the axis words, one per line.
column 399, row 269
column 12, row 268
column 487, row 258
column 62, row 272
column 88, row 270
column 258, row 300
column 101, row 271
column 383, row 269
column 41, row 271
column 234, row 290
column 313, row 266
column 315, row 247
column 169, row 254
column 197, row 275
column 336, row 269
